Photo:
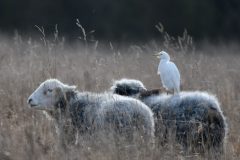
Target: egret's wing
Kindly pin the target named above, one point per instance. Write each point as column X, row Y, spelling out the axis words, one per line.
column 174, row 72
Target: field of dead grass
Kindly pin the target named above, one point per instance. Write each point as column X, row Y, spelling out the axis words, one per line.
column 24, row 63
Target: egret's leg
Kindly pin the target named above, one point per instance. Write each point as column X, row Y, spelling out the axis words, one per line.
column 166, row 90
column 176, row 90
column 169, row 91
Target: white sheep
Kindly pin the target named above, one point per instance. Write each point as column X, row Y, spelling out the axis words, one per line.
column 87, row 113
column 195, row 117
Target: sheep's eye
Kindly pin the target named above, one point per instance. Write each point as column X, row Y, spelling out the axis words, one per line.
column 50, row 90
column 47, row 91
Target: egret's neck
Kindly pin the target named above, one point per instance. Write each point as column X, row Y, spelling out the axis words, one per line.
column 164, row 60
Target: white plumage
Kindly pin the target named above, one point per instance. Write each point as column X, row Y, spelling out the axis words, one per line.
column 168, row 72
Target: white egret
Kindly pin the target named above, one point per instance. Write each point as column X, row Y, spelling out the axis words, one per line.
column 168, row 72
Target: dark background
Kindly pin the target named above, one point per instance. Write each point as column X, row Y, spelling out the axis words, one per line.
column 124, row 19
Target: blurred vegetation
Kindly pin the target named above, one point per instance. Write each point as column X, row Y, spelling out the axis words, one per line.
column 125, row 19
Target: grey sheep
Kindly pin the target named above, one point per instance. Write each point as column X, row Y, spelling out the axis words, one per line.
column 195, row 118
column 88, row 113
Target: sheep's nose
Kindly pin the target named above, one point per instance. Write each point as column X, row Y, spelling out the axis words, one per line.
column 29, row 100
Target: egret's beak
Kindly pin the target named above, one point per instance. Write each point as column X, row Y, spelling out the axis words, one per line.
column 157, row 55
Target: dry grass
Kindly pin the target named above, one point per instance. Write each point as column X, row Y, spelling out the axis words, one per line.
column 27, row 134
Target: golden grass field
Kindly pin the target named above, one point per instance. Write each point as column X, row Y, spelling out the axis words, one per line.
column 24, row 63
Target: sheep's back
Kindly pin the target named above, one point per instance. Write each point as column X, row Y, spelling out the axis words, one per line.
column 100, row 111
column 192, row 115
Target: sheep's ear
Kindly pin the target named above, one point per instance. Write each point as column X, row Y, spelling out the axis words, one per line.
column 68, row 92
column 64, row 92
column 66, row 88
column 58, row 92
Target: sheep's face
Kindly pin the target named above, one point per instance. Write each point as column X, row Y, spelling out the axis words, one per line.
column 128, row 87
column 46, row 96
